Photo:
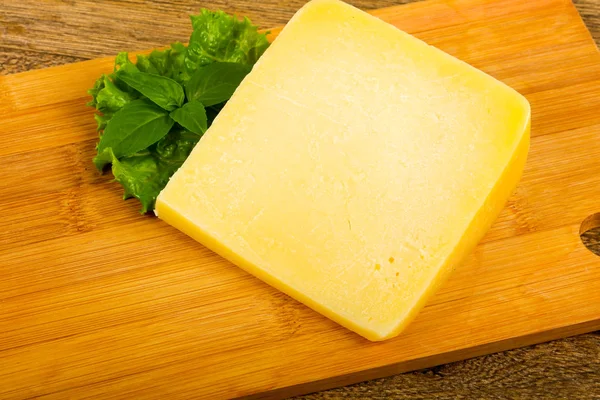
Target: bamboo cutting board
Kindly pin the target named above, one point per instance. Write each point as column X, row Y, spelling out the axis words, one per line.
column 99, row 301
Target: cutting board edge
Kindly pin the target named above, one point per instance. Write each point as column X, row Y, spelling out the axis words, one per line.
column 465, row 353
column 574, row 9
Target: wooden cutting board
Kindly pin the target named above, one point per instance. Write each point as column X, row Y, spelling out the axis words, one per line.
column 97, row 300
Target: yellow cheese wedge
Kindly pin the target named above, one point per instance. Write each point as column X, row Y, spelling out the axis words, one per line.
column 353, row 168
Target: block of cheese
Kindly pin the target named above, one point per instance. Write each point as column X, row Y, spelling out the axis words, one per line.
column 353, row 168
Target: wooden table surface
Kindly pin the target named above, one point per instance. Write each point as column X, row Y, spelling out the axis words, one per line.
column 37, row 34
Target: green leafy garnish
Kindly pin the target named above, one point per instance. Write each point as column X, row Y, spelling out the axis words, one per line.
column 215, row 83
column 163, row 91
column 169, row 63
column 151, row 113
column 107, row 97
column 221, row 37
column 192, row 116
column 144, row 174
column 133, row 128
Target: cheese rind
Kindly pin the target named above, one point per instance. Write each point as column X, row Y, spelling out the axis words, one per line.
column 353, row 168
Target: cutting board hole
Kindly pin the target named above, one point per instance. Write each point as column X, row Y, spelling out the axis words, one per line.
column 589, row 232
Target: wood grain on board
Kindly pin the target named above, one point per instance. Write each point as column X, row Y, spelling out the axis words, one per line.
column 97, row 300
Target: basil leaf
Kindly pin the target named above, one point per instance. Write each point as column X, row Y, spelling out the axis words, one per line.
column 215, row 83
column 136, row 126
column 192, row 116
column 164, row 92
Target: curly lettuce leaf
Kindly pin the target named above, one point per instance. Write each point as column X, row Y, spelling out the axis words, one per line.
column 108, row 98
column 168, row 63
column 111, row 99
column 98, row 86
column 122, row 61
column 144, row 174
column 144, row 64
column 102, row 120
column 218, row 36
